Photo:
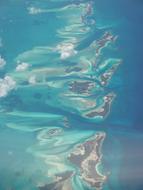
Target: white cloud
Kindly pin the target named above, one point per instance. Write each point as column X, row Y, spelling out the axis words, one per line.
column 22, row 67
column 2, row 62
column 66, row 50
column 34, row 10
column 6, row 85
column 32, row 79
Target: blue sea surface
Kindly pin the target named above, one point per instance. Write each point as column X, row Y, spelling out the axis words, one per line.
column 71, row 112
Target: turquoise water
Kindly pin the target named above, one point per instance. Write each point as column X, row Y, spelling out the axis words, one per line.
column 70, row 116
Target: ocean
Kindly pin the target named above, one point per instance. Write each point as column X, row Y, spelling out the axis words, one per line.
column 71, row 113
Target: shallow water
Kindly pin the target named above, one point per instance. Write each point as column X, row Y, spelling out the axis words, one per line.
column 70, row 95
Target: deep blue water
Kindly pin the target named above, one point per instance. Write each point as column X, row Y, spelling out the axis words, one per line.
column 54, row 57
